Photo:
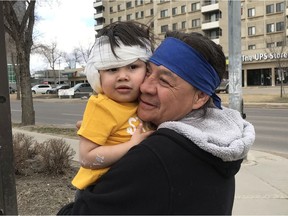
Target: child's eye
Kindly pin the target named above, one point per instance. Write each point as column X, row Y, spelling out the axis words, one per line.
column 111, row 70
column 132, row 67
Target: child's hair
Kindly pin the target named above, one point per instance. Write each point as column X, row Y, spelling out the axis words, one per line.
column 129, row 32
column 117, row 45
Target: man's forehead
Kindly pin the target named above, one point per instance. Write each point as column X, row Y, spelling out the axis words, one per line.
column 162, row 70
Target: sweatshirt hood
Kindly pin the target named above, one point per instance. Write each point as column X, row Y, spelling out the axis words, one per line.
column 222, row 133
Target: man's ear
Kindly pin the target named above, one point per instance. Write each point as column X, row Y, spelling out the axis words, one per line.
column 200, row 99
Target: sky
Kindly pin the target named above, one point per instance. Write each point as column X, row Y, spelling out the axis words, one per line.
column 68, row 22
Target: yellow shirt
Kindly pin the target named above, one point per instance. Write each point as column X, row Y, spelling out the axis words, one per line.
column 105, row 122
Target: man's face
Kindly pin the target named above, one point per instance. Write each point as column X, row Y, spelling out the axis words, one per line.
column 164, row 96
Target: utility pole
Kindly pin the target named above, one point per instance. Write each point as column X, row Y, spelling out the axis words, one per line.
column 8, row 198
column 235, row 63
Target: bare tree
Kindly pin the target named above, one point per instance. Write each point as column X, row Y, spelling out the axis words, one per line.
column 51, row 54
column 85, row 52
column 73, row 58
column 19, row 21
column 277, row 46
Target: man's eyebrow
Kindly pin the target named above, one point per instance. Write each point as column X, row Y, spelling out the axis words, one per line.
column 168, row 73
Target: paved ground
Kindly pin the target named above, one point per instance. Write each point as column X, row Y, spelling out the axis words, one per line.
column 261, row 184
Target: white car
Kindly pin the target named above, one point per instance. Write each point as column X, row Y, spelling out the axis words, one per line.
column 41, row 88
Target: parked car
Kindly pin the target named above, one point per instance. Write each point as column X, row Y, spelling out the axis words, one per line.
column 82, row 87
column 12, row 90
column 56, row 89
column 41, row 88
column 223, row 87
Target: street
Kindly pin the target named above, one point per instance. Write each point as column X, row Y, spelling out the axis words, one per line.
column 271, row 125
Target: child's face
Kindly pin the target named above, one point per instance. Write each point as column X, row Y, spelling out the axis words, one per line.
column 122, row 84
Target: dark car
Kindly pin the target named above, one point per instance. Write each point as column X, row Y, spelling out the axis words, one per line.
column 12, row 90
column 82, row 87
column 56, row 89
column 223, row 87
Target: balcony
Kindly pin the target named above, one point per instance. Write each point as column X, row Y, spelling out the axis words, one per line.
column 98, row 15
column 209, row 8
column 98, row 27
column 97, row 3
column 210, row 24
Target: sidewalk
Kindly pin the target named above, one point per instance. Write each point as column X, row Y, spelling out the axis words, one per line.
column 261, row 184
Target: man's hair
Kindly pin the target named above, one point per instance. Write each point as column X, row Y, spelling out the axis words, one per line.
column 130, row 33
column 212, row 52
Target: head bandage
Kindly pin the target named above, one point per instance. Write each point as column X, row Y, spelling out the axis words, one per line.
column 102, row 58
column 188, row 64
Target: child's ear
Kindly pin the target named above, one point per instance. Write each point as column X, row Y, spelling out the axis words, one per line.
column 200, row 99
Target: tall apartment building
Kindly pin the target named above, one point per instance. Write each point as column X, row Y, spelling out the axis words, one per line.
column 263, row 29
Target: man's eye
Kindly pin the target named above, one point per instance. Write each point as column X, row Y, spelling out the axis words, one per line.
column 164, row 82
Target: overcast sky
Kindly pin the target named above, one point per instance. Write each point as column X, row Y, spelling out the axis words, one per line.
column 68, row 22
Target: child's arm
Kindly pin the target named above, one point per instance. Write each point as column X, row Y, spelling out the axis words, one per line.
column 94, row 156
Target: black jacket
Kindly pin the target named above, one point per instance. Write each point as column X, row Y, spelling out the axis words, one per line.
column 165, row 174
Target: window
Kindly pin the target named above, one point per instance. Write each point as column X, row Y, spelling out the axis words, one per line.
column 270, row 45
column 279, row 26
column 111, row 20
column 195, row 6
column 138, row 2
column 139, row 14
column 252, row 30
column 183, row 24
column 251, row 12
column 129, row 16
column 111, row 9
column 174, row 26
column 269, row 8
column 280, row 7
column 195, row 23
column 164, row 28
column 152, row 12
column 119, row 7
column 183, row 9
column 128, row 4
column 279, row 43
column 174, row 11
column 252, row 47
column 270, row 28
column 119, row 18
column 164, row 13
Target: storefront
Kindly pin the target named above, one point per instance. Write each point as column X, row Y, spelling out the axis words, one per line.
column 265, row 69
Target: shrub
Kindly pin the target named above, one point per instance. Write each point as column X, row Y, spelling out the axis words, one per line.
column 50, row 157
column 24, row 150
column 57, row 156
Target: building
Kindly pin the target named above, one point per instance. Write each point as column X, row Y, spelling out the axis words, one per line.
column 263, row 29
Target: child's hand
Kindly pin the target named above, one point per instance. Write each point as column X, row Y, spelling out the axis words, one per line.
column 139, row 135
column 78, row 124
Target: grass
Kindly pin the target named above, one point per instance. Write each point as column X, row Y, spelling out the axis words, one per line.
column 49, row 129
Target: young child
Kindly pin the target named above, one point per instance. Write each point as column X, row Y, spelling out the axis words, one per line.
column 116, row 68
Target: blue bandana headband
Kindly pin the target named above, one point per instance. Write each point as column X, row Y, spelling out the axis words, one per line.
column 188, row 64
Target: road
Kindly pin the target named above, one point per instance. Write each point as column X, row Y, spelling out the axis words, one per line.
column 271, row 125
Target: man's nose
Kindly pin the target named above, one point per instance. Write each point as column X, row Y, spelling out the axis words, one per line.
column 149, row 85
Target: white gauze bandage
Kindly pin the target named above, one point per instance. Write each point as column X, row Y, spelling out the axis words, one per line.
column 102, row 58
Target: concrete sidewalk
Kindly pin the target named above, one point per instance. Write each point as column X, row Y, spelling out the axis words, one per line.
column 261, row 184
